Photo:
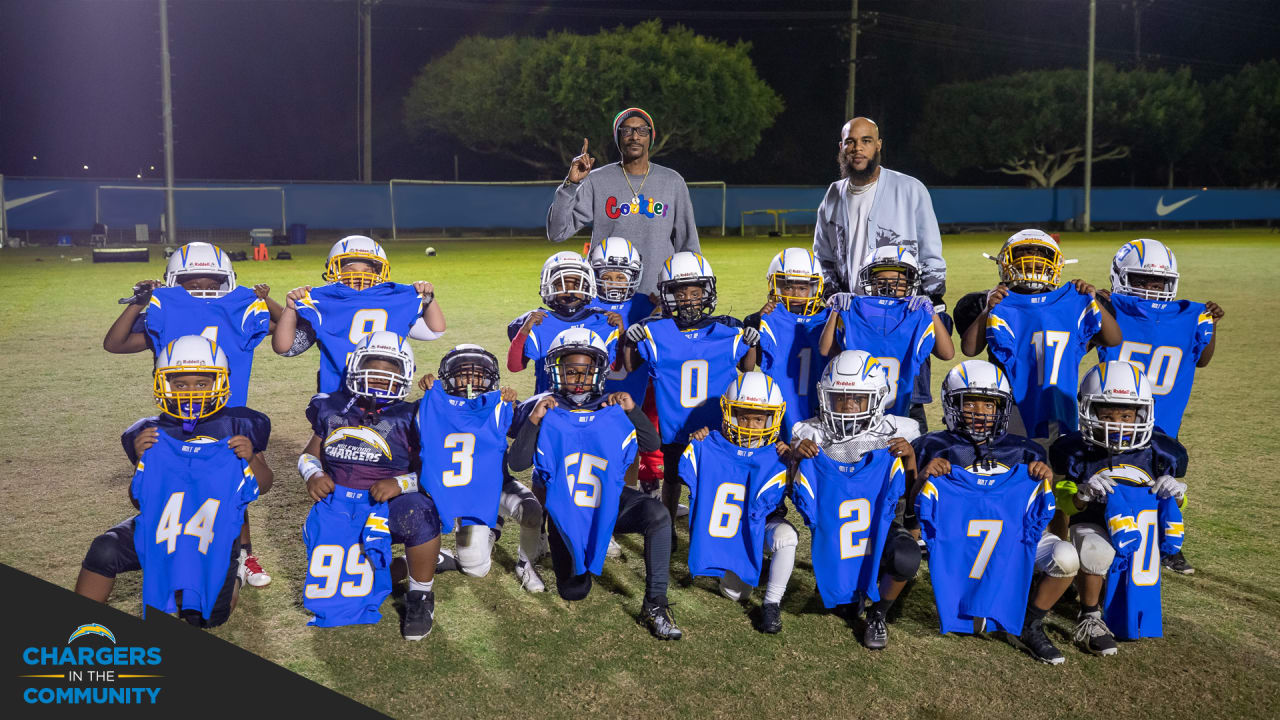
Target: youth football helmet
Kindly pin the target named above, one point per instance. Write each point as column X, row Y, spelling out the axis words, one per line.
column 1116, row 382
column 753, row 392
column 616, row 254
column 890, row 258
column 852, row 372
column 796, row 265
column 977, row 378
column 468, row 371
column 188, row 355
column 357, row 247
column 680, row 270
column 1031, row 260
column 1145, row 258
column 365, row 382
column 200, row 258
column 568, row 283
column 575, row 382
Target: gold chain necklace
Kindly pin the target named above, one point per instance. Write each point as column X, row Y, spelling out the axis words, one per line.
column 635, row 194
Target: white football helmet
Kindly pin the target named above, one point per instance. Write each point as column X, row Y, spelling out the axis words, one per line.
column 468, row 371
column 587, row 383
column 684, row 269
column 200, row 258
column 796, row 265
column 357, row 248
column 568, row 283
column 752, row 392
column 1149, row 259
column 380, row 385
column 616, row 254
column 852, row 373
column 985, row 381
column 1031, row 260
column 191, row 355
column 890, row 258
column 1116, row 382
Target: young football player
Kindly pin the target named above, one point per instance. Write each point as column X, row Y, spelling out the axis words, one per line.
column 1117, row 445
column 568, row 289
column 366, row 440
column 692, row 357
column 790, row 325
column 580, row 442
column 359, row 299
column 737, row 479
column 856, row 462
column 898, row 327
column 192, row 386
column 976, row 403
column 1165, row 337
column 465, row 417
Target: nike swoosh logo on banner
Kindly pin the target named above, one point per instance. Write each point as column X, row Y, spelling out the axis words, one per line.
column 1162, row 209
column 18, row 202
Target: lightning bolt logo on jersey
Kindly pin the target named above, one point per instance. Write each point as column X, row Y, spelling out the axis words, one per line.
column 462, row 454
column 732, row 490
column 1078, row 461
column 894, row 335
column 538, row 342
column 994, row 457
column 582, row 461
column 360, row 448
column 237, row 322
column 691, row 370
column 982, row 532
column 1142, row 527
column 191, row 498
column 348, row 559
column 849, row 508
column 1165, row 340
column 225, row 424
column 789, row 354
column 1039, row 340
column 635, row 384
column 341, row 317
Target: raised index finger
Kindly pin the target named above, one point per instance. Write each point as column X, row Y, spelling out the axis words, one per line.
column 584, row 147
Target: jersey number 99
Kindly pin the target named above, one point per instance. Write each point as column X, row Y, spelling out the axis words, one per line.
column 327, row 563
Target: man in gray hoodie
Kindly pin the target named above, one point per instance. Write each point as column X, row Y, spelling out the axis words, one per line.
column 641, row 201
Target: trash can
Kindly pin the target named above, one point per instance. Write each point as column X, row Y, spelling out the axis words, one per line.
column 298, row 234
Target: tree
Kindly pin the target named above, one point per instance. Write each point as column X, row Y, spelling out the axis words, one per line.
column 1244, row 126
column 534, row 99
column 1161, row 116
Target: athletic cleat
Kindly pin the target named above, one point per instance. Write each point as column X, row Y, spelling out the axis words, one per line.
column 1093, row 635
column 876, row 635
column 251, row 572
column 614, row 550
column 529, row 578
column 771, row 618
column 1037, row 644
column 659, row 621
column 419, row 614
column 447, row 561
column 682, row 511
column 1177, row 562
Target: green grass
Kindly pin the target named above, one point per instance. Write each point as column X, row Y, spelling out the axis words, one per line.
column 496, row 650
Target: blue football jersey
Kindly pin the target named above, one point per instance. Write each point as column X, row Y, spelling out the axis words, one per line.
column 348, row 559
column 341, row 317
column 219, row 426
column 849, row 509
column 635, row 384
column 237, row 322
column 1165, row 339
column 360, row 448
column 463, row 445
column 1076, row 460
column 990, row 458
column 982, row 532
column 582, row 461
column 540, row 337
column 732, row 490
column 690, row 370
column 899, row 338
column 191, row 498
column 789, row 354
column 1142, row 527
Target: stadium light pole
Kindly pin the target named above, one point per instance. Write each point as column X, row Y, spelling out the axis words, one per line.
column 166, row 100
column 853, row 59
column 1088, row 120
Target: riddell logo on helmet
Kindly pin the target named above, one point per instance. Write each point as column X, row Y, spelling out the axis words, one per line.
column 647, row 207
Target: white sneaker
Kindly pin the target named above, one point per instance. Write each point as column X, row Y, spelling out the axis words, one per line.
column 529, row 578
column 251, row 572
column 614, row 551
column 682, row 511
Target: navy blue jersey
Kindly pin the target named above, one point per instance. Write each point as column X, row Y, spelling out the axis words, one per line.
column 789, row 354
column 540, row 336
column 849, row 508
column 361, row 447
column 1165, row 339
column 635, row 384
column 732, row 490
column 901, row 339
column 191, row 498
column 1039, row 341
column 691, row 369
column 1078, row 461
column 990, row 458
column 348, row 559
column 236, row 322
column 463, row 446
column 582, row 461
column 982, row 532
column 341, row 317
column 226, row 423
column 1142, row 527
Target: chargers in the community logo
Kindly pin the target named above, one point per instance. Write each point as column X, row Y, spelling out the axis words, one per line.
column 90, row 673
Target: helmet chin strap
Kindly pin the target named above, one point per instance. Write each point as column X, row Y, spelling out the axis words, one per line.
column 193, row 409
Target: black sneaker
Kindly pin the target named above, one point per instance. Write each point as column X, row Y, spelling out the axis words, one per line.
column 419, row 613
column 1037, row 644
column 1177, row 562
column 771, row 618
column 659, row 621
column 1093, row 635
column 876, row 635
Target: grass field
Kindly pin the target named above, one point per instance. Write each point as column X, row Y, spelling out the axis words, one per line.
column 496, row 650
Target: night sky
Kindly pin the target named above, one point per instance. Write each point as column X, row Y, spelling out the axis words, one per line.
column 267, row 89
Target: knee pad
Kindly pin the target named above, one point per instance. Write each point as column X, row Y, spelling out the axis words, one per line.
column 529, row 513
column 107, row 555
column 1096, row 554
column 784, row 536
column 903, row 555
column 1065, row 561
column 656, row 516
column 575, row 588
column 414, row 520
column 734, row 588
column 474, row 550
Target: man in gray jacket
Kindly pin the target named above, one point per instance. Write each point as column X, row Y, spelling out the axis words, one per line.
column 641, row 201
